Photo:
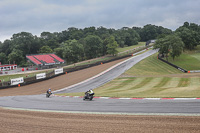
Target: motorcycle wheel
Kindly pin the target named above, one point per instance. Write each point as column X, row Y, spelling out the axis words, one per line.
column 91, row 98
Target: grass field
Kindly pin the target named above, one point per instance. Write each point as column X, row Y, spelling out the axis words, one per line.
column 150, row 78
column 151, row 66
column 131, row 47
column 189, row 60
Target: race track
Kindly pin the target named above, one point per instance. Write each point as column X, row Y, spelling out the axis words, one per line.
column 40, row 102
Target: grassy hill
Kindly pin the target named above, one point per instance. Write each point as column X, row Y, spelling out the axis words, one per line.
column 189, row 60
column 151, row 66
column 153, row 78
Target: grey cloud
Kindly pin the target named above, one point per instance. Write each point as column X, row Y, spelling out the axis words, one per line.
column 50, row 15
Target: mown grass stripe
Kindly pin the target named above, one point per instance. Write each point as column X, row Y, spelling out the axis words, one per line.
column 184, row 82
column 143, row 83
column 122, row 82
column 151, row 66
column 163, row 82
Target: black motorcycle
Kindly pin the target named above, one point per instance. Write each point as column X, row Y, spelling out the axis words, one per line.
column 48, row 94
column 88, row 96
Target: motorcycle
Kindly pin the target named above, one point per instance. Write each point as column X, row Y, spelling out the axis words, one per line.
column 48, row 94
column 88, row 96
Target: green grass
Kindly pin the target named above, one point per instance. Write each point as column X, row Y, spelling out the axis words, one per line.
column 151, row 66
column 131, row 47
column 151, row 78
column 189, row 60
column 148, row 87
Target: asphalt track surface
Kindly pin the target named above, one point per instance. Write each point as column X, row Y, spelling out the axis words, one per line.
column 40, row 102
column 107, row 75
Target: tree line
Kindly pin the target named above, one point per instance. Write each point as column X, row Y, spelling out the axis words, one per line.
column 76, row 44
column 186, row 37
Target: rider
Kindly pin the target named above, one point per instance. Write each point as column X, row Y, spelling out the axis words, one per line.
column 89, row 92
column 49, row 91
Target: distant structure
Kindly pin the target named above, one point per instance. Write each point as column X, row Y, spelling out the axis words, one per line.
column 45, row 60
column 8, row 67
column 150, row 41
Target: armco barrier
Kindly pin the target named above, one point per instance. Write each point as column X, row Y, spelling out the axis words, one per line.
column 30, row 80
column 194, row 71
column 179, row 68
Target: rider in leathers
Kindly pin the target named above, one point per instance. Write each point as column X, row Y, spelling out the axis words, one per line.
column 87, row 93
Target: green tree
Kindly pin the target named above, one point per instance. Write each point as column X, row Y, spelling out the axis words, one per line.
column 73, row 51
column 111, row 46
column 102, row 32
column 149, row 32
column 16, row 56
column 46, row 49
column 127, row 37
column 92, row 46
column 59, row 51
column 25, row 42
column 169, row 44
column 190, row 38
column 49, row 39
column 3, row 58
column 176, row 46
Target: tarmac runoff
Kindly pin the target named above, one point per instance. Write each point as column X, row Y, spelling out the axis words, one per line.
column 103, row 113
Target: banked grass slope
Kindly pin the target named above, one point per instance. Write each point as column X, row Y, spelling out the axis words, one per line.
column 151, row 78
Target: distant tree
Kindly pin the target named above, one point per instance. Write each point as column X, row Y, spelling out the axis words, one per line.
column 59, row 51
column 186, row 25
column 6, row 47
column 49, row 39
column 169, row 44
column 112, row 45
column 25, row 42
column 89, row 31
column 92, row 46
column 73, row 51
column 3, row 58
column 16, row 56
column 102, row 32
column 176, row 46
column 46, row 49
column 75, row 33
column 126, row 37
column 190, row 38
column 149, row 32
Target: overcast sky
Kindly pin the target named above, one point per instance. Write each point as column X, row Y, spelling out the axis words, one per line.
column 36, row 16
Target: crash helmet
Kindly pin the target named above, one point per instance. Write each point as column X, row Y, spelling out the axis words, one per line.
column 49, row 89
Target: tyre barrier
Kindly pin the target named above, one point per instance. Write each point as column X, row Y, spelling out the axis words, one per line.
column 175, row 66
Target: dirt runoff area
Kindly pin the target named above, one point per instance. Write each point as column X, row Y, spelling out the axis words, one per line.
column 42, row 122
